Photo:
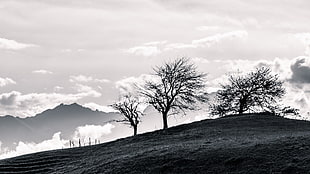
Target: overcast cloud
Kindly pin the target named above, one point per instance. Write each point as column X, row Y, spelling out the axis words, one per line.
column 55, row 51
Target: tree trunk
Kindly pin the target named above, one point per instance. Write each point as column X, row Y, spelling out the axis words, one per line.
column 240, row 110
column 241, row 107
column 135, row 130
column 165, row 121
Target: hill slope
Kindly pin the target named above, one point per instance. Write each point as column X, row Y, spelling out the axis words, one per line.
column 241, row 144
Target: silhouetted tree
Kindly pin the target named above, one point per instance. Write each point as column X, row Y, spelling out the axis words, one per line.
column 128, row 106
column 256, row 91
column 283, row 110
column 289, row 110
column 179, row 87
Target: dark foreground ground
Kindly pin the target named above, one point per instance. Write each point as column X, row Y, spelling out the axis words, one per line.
column 241, row 144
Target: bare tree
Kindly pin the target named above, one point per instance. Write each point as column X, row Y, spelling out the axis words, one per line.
column 255, row 91
column 128, row 106
column 279, row 110
column 179, row 88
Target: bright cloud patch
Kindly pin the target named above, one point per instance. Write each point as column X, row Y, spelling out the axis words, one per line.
column 147, row 49
column 56, row 142
column 87, row 90
column 6, row 81
column 85, row 79
column 42, row 71
column 95, row 106
column 155, row 48
column 58, row 88
column 128, row 85
column 144, row 50
column 13, row 45
column 24, row 147
column 92, row 131
column 18, row 104
column 210, row 40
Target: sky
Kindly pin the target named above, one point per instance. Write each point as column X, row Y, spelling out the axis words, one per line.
column 89, row 52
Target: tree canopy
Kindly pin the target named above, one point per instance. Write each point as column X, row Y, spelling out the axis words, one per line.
column 179, row 86
column 256, row 91
column 128, row 106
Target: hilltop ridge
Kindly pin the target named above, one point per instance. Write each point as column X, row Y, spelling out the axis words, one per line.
column 241, row 144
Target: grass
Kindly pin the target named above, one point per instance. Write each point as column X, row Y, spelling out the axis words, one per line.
column 240, row 144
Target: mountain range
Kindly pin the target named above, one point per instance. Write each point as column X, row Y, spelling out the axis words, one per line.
column 73, row 122
column 63, row 118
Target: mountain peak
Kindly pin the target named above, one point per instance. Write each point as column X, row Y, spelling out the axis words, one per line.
column 63, row 110
column 75, row 104
column 72, row 107
column 69, row 105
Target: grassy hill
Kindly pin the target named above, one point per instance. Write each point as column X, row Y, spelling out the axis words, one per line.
column 240, row 144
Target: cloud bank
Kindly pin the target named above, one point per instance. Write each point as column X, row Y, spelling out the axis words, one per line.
column 85, row 79
column 6, row 81
column 13, row 45
column 92, row 131
column 42, row 71
column 95, row 106
column 155, row 48
column 56, row 142
column 23, row 105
